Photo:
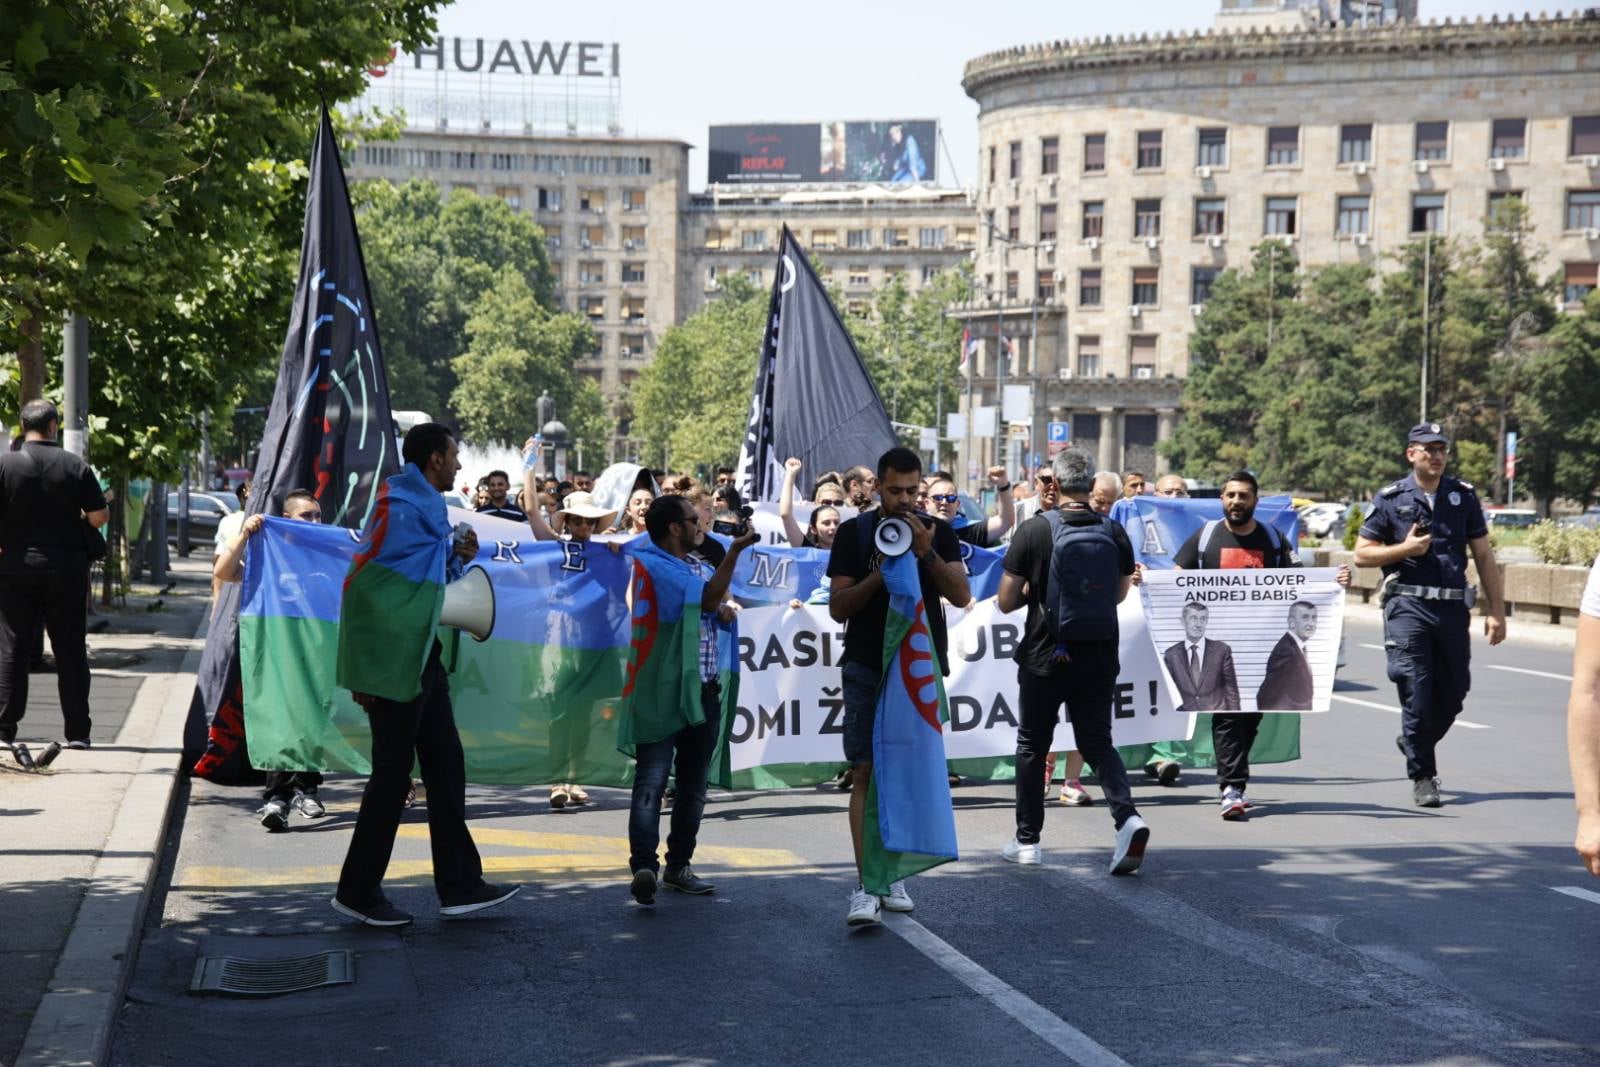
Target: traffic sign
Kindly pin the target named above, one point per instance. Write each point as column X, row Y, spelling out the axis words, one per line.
column 1059, row 437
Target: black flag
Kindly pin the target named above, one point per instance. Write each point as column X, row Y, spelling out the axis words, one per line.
column 813, row 398
column 329, row 431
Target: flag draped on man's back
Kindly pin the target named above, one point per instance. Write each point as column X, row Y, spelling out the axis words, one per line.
column 910, row 825
column 329, row 430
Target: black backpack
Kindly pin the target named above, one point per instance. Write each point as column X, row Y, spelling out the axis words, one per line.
column 1085, row 577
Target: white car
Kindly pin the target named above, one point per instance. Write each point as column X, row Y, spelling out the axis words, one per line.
column 1320, row 520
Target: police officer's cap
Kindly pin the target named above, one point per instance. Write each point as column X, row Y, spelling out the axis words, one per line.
column 1427, row 433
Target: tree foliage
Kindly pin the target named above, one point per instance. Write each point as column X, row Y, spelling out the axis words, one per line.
column 911, row 347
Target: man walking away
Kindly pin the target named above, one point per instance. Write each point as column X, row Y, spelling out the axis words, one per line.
column 50, row 504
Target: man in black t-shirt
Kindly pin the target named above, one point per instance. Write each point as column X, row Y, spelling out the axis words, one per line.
column 498, row 483
column 1085, row 678
column 50, row 503
column 859, row 600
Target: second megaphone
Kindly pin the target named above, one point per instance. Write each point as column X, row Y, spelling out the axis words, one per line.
column 892, row 537
column 469, row 604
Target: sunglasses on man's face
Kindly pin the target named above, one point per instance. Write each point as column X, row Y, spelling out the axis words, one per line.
column 945, row 498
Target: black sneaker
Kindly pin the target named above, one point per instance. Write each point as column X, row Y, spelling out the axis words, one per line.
column 643, row 887
column 1425, row 793
column 487, row 895
column 684, row 880
column 378, row 913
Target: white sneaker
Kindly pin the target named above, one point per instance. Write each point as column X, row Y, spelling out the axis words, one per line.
column 1232, row 804
column 1074, row 795
column 1017, row 852
column 897, row 899
column 863, row 909
column 275, row 815
column 1131, row 842
column 1244, row 798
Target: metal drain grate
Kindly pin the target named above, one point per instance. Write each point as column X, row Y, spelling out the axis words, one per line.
column 243, row 977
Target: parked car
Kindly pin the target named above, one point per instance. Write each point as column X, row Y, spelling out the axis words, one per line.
column 1320, row 520
column 206, row 511
column 1511, row 518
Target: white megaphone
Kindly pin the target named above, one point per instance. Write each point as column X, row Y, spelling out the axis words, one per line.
column 892, row 537
column 469, row 604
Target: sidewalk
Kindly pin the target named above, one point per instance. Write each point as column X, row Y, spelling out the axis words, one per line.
column 80, row 841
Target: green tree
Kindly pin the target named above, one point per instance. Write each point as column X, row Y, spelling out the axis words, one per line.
column 1561, row 426
column 912, row 348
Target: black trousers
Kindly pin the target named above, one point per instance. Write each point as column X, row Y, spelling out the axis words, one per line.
column 57, row 596
column 1087, row 685
column 1232, row 734
column 426, row 728
column 285, row 784
column 1429, row 648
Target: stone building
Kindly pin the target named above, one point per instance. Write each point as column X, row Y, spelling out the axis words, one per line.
column 1117, row 178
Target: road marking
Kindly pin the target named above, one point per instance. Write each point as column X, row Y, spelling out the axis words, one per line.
column 1055, row 1031
column 1536, row 674
column 1396, row 711
column 1582, row 894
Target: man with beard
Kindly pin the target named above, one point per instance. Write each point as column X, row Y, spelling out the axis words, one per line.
column 1418, row 531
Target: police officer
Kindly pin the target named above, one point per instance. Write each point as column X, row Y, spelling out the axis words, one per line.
column 1418, row 531
column 50, row 504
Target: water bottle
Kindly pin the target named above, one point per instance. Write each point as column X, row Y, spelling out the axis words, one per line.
column 530, row 458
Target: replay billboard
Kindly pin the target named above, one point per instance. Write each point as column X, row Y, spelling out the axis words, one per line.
column 891, row 152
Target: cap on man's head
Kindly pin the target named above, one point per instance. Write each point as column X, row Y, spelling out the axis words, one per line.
column 1427, row 433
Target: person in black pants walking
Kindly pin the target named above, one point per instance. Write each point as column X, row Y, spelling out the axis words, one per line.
column 50, row 504
column 1071, row 567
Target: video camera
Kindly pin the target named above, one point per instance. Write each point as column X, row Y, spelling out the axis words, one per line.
column 733, row 524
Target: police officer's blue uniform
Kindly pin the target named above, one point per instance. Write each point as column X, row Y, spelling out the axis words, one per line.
column 1426, row 617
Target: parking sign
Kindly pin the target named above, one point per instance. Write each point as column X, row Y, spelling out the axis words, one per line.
column 1059, row 437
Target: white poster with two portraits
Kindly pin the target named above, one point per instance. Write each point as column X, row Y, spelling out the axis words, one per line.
column 1247, row 639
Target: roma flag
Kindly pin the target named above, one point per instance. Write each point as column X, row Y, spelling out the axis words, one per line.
column 910, row 824
column 661, row 693
column 394, row 590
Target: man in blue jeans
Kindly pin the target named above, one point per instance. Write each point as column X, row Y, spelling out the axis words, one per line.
column 667, row 728
column 860, row 600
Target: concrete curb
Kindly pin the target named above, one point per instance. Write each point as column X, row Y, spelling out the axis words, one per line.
column 73, row 1023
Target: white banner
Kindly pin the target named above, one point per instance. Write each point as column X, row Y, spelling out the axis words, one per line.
column 791, row 708
column 1247, row 639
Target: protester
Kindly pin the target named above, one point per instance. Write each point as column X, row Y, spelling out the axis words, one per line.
column 389, row 659
column 725, row 476
column 228, row 527
column 480, row 495
column 860, row 488
column 824, row 521
column 631, row 522
column 1043, row 498
column 1583, row 724
column 285, row 790
column 1072, row 567
column 50, row 505
column 726, row 498
column 1172, row 486
column 1106, row 492
column 828, row 490
column 673, row 701
column 498, row 485
column 582, row 482
column 945, row 502
column 1133, row 484
column 860, row 601
column 1418, row 531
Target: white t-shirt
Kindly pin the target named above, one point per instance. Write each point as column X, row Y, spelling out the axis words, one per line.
column 229, row 527
column 1590, row 604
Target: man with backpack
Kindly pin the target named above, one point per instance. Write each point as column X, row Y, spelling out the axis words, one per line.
column 1072, row 567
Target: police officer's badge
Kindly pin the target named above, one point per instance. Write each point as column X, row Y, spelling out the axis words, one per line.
column 1455, row 499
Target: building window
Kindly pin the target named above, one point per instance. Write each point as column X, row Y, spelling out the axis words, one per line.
column 930, row 274
column 858, row 276
column 966, row 237
column 552, row 238
column 1089, row 288
column 753, row 240
column 592, row 200
column 633, row 274
column 632, row 200
column 1200, row 283
column 858, row 238
column 1500, row 209
column 1427, row 212
column 1210, row 217
column 824, row 240
column 1585, row 136
column 991, row 164
column 511, row 194
column 1147, row 218
column 896, row 238
column 633, row 306
column 1212, row 150
column 1094, row 218
column 592, row 306
column 1509, row 139
column 1581, row 281
column 1047, row 222
column 715, row 239
column 1088, row 357
column 633, row 237
column 1355, row 143
column 1011, row 285
column 753, row 276
column 632, row 346
column 1142, row 356
column 1094, row 151
column 1283, row 146
column 1045, row 285
column 1014, row 223
column 591, row 236
column 1583, row 210
column 1432, row 140
column 711, row 277
column 1355, row 213
column 1283, row 214
column 591, row 272
column 1014, row 160
column 1147, row 286
column 931, row 237
column 1049, row 155
column 549, row 199
column 1149, row 150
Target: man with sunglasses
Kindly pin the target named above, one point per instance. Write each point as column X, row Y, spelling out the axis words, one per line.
column 1418, row 531
column 945, row 502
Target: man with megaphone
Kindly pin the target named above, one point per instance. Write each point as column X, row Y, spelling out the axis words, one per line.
column 389, row 660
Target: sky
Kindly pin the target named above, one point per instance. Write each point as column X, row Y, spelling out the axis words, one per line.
column 687, row 66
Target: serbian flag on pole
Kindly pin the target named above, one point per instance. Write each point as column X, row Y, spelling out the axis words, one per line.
column 968, row 347
column 910, row 823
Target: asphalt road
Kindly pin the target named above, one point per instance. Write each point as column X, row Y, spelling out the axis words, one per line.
column 1337, row 925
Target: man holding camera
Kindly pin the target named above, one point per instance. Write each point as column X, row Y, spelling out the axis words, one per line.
column 1418, row 531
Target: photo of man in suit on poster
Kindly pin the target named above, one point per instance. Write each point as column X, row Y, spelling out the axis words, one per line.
column 1287, row 685
column 1202, row 668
